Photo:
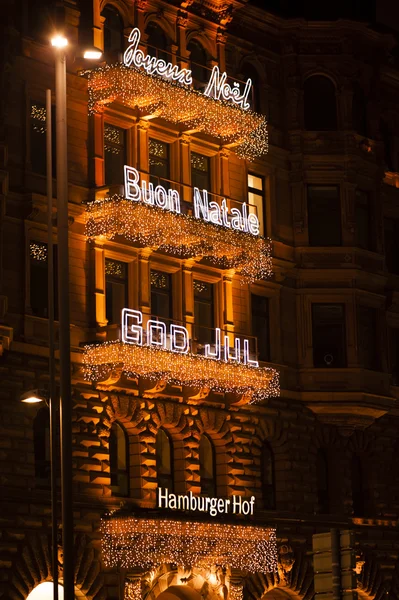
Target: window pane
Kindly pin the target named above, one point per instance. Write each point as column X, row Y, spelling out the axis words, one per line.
column 161, row 294
column 118, row 458
column 367, row 337
column 164, row 459
column 328, row 332
column 260, row 325
column 324, row 215
column 159, row 162
column 204, row 311
column 363, row 220
column 207, row 466
column 38, row 267
column 115, row 289
column 113, row 30
column 38, row 128
column 320, row 104
column 256, row 199
column 198, row 60
column 200, row 171
column 114, row 154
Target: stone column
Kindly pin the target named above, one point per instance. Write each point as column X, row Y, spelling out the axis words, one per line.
column 99, row 285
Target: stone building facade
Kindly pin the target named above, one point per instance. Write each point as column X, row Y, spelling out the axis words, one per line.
column 321, row 454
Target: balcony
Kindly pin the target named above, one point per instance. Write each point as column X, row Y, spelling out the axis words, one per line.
column 189, row 109
column 143, row 543
column 219, row 361
column 180, row 233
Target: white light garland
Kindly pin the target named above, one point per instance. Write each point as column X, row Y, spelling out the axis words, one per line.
column 180, row 234
column 253, row 383
column 175, row 103
column 129, row 542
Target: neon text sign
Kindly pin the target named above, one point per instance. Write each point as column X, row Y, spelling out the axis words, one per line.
column 176, row 339
column 217, row 86
column 141, row 191
column 214, row 506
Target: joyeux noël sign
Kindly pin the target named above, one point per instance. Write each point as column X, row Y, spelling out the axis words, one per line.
column 235, row 505
column 240, row 219
column 217, row 86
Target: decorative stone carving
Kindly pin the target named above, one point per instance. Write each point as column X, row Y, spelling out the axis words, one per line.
column 285, row 562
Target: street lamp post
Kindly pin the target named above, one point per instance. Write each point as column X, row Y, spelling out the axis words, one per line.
column 59, row 44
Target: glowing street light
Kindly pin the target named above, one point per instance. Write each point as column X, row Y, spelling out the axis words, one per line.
column 59, row 41
column 92, row 54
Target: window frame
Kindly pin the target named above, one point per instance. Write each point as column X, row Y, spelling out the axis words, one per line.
column 338, row 187
column 345, row 329
column 172, row 459
column 115, row 487
column 213, row 480
column 119, row 124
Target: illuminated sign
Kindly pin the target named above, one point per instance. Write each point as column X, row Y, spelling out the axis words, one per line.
column 176, row 339
column 235, row 505
column 217, row 87
column 141, row 191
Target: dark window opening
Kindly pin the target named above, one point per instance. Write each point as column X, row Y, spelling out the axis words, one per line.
column 38, row 129
column 198, row 60
column 204, row 312
column 329, row 337
column 114, row 154
column 391, row 243
column 157, row 42
column 387, row 140
column 119, row 460
column 260, row 325
column 164, row 460
column 161, row 294
column 200, row 171
column 367, row 333
column 320, row 104
column 322, row 481
column 359, row 110
column 207, row 464
column 113, row 31
column 116, row 289
column 249, row 72
column 38, row 266
column 324, row 215
column 267, row 477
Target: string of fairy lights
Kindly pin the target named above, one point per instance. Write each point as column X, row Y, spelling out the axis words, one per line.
column 129, row 542
column 180, row 234
column 178, row 104
column 193, row 370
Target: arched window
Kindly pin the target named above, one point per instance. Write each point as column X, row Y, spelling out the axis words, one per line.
column 359, row 110
column 267, row 475
column 164, row 460
column 113, row 30
column 119, row 460
column 41, row 443
column 320, row 108
column 322, row 481
column 157, row 42
column 198, row 60
column 249, row 72
column 207, row 466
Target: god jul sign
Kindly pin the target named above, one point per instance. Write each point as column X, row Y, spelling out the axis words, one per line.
column 217, row 86
column 218, row 214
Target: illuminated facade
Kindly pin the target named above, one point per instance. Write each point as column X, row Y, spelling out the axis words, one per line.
column 233, row 191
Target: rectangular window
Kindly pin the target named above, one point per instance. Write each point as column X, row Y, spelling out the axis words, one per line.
column 256, row 194
column 38, row 129
column 367, row 339
column 38, row 259
column 328, row 334
column 114, row 154
column 260, row 325
column 324, row 215
column 159, row 163
column 363, row 218
column 394, row 354
column 200, row 171
column 204, row 311
column 116, row 290
column 161, row 294
column 391, row 242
